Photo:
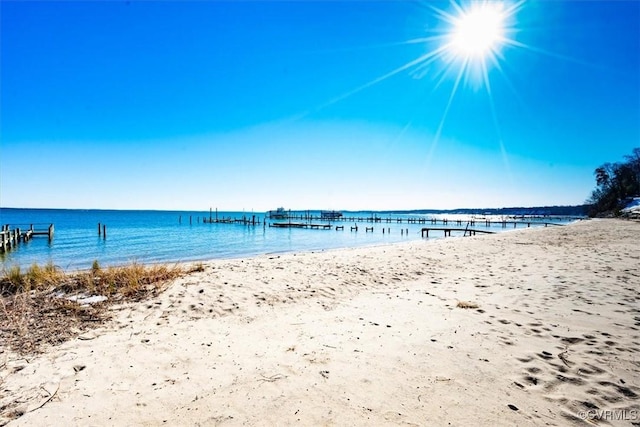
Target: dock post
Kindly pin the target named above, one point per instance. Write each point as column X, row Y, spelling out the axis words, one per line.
column 104, row 231
column 51, row 228
column 99, row 230
column 180, row 219
column 3, row 244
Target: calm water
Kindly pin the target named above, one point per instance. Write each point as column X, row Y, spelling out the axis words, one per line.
column 160, row 236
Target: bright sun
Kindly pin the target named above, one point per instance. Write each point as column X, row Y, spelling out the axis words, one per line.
column 478, row 31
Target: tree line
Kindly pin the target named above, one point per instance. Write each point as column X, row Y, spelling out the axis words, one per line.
column 615, row 182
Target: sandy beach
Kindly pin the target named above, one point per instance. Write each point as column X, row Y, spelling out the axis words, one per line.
column 366, row 336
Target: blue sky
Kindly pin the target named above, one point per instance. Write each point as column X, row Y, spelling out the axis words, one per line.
column 309, row 105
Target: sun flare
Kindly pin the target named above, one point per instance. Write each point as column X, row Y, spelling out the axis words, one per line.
column 478, row 31
column 475, row 34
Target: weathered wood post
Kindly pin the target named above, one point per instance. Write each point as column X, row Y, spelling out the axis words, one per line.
column 51, row 229
column 104, row 231
column 99, row 232
column 3, row 243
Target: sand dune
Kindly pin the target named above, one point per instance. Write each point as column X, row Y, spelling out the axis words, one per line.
column 367, row 336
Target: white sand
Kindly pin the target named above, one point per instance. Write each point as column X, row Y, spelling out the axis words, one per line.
column 368, row 336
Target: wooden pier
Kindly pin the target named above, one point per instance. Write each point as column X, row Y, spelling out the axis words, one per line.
column 524, row 221
column 228, row 220
column 300, row 225
column 447, row 231
column 305, row 219
column 11, row 238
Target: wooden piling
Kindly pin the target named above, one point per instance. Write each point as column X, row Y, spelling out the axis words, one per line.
column 104, row 231
column 99, row 231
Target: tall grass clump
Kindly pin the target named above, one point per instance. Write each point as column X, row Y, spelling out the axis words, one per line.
column 134, row 280
column 36, row 308
column 36, row 278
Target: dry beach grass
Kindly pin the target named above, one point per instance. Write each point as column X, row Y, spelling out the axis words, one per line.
column 547, row 334
column 44, row 305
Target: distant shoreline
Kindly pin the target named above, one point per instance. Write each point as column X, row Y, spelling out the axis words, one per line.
column 568, row 210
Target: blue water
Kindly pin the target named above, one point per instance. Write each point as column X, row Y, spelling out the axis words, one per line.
column 172, row 236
